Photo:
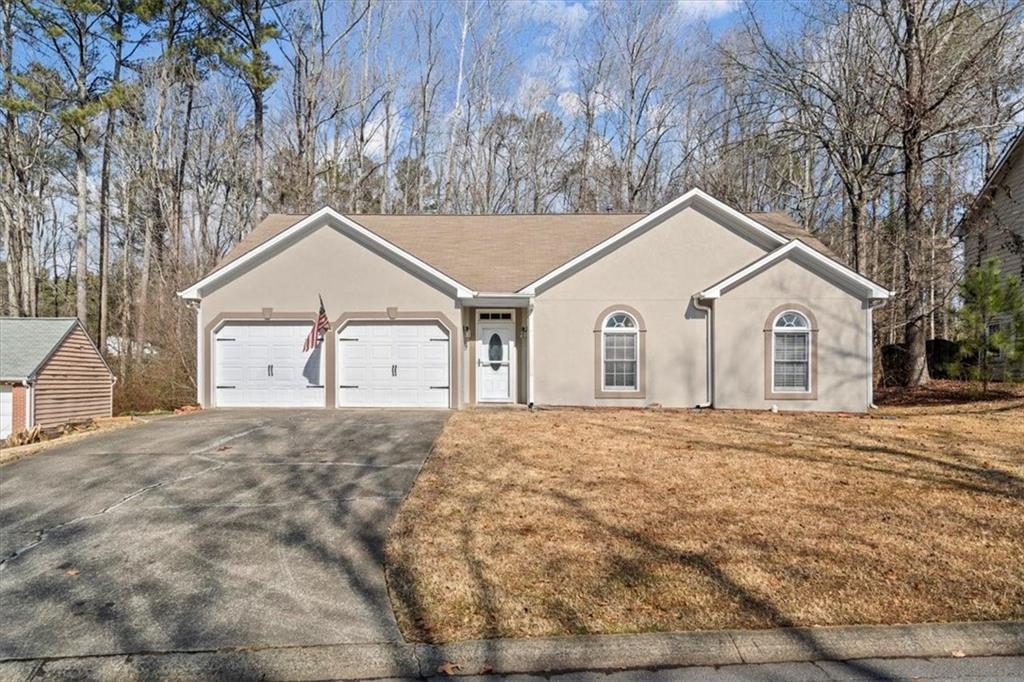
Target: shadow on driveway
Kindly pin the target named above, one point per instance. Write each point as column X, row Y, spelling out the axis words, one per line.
column 224, row 529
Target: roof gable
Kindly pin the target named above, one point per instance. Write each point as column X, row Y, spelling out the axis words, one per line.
column 695, row 198
column 504, row 253
column 325, row 216
column 26, row 343
column 1006, row 160
column 812, row 259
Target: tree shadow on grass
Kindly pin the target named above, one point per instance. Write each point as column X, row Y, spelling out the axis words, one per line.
column 898, row 458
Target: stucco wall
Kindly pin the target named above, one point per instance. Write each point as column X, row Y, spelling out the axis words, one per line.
column 841, row 362
column 351, row 279
column 656, row 273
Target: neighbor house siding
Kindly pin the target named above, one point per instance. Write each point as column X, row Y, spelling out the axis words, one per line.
column 840, row 364
column 73, row 385
column 997, row 228
column 656, row 274
column 351, row 278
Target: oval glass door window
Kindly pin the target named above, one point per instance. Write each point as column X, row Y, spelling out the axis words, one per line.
column 495, row 351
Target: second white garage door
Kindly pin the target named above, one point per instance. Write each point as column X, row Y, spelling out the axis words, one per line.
column 393, row 364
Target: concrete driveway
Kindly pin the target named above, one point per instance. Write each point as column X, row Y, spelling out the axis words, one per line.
column 254, row 528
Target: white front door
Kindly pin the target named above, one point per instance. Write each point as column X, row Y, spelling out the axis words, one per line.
column 261, row 364
column 495, row 365
column 393, row 364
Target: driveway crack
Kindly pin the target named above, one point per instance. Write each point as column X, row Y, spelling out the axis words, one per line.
column 43, row 533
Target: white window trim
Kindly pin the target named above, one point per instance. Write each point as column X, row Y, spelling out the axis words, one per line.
column 634, row 331
column 806, row 333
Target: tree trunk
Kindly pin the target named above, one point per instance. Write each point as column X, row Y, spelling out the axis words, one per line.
column 913, row 201
column 108, row 134
column 257, row 119
column 143, row 300
column 82, row 233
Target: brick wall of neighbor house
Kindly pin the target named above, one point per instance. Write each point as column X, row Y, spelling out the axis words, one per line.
column 19, row 407
column 656, row 274
column 841, row 360
column 74, row 385
column 998, row 229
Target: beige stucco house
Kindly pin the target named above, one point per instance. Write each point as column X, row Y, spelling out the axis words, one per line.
column 694, row 304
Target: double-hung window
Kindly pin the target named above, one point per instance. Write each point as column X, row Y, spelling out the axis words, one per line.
column 620, row 345
column 791, row 353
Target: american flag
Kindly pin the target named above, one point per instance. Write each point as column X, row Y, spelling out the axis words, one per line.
column 315, row 334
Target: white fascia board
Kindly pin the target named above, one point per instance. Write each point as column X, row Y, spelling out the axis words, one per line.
column 195, row 292
column 871, row 289
column 693, row 197
column 497, row 300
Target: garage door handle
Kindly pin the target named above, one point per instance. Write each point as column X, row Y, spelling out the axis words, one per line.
column 440, row 387
column 226, row 387
column 315, row 386
column 348, row 386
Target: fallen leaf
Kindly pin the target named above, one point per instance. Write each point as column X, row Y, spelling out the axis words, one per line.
column 73, row 572
column 958, row 654
column 448, row 668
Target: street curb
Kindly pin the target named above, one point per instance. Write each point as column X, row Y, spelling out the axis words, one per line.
column 542, row 655
column 727, row 647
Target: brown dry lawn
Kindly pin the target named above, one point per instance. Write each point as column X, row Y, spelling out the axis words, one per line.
column 581, row 521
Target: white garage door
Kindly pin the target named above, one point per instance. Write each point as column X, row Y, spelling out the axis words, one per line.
column 6, row 411
column 393, row 364
column 261, row 364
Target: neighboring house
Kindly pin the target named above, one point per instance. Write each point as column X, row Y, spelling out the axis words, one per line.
column 50, row 374
column 693, row 304
column 993, row 226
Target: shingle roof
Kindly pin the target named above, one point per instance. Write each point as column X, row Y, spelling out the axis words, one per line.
column 460, row 245
column 785, row 225
column 26, row 343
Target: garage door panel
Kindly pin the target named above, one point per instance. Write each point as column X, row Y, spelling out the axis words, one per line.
column 244, row 354
column 394, row 364
column 435, row 376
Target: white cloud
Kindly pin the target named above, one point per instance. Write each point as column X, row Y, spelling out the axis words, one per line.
column 533, row 93
column 572, row 104
column 569, row 102
column 564, row 16
column 695, row 10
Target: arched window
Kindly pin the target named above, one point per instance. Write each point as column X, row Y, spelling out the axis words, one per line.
column 620, row 343
column 791, row 353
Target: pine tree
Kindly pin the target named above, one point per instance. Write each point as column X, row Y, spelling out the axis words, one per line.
column 991, row 325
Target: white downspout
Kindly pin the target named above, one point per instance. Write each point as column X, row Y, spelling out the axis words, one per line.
column 529, row 355
column 30, row 405
column 710, row 354
column 200, row 365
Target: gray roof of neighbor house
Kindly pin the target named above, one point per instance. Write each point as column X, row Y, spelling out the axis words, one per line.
column 459, row 245
column 28, row 342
